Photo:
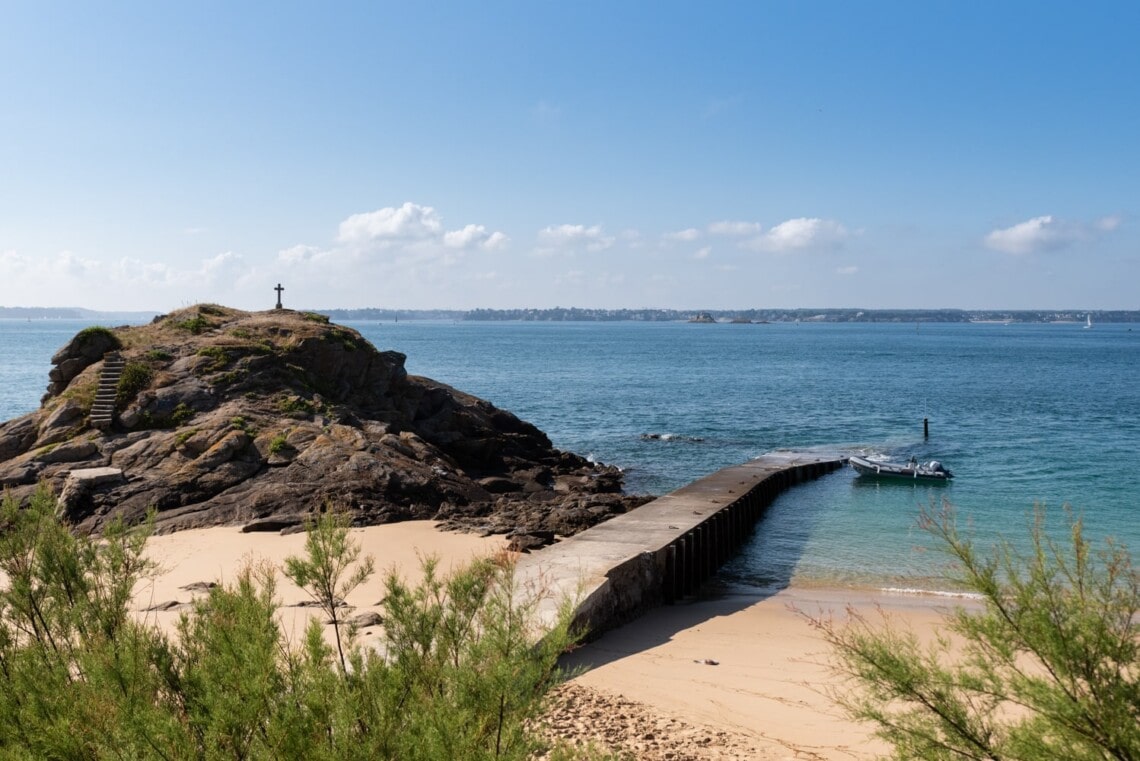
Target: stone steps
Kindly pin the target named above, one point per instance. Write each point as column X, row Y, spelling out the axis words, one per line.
column 103, row 408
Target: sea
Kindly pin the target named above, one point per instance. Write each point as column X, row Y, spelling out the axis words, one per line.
column 1031, row 418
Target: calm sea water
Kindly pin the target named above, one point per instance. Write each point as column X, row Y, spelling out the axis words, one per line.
column 1023, row 414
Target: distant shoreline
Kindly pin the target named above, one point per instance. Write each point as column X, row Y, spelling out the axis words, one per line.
column 577, row 314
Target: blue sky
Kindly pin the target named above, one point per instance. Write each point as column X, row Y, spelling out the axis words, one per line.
column 593, row 154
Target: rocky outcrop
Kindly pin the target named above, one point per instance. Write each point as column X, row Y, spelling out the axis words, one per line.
column 230, row 417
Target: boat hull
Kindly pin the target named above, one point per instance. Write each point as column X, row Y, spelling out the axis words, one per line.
column 898, row 471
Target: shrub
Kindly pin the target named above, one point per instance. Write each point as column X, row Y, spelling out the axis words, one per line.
column 216, row 353
column 295, row 405
column 89, row 333
column 158, row 355
column 181, row 414
column 329, row 553
column 461, row 672
column 279, row 442
column 194, row 325
column 315, row 317
column 136, row 377
column 184, row 436
column 1047, row 670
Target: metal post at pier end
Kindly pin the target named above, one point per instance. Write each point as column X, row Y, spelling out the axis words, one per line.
column 926, row 428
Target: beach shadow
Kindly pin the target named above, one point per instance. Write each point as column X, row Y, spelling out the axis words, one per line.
column 656, row 627
column 781, row 534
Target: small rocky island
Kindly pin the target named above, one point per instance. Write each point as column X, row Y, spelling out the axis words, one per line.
column 215, row 416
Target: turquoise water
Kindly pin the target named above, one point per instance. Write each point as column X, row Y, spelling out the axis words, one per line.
column 1023, row 414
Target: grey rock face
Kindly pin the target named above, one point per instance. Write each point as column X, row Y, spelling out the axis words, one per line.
column 259, row 419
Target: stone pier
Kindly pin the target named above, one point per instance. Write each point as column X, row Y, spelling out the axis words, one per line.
column 662, row 551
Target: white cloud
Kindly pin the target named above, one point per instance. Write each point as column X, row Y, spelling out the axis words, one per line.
column 136, row 272
column 470, row 235
column 1047, row 233
column 227, row 269
column 703, row 253
column 1028, row 236
column 388, row 225
column 801, row 233
column 301, row 253
column 688, row 235
column 848, row 270
column 67, row 264
column 566, row 236
column 411, row 226
column 64, row 264
column 735, row 229
column 495, row 241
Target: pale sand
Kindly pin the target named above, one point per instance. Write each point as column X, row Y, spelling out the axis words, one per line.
column 218, row 554
column 770, row 679
column 764, row 698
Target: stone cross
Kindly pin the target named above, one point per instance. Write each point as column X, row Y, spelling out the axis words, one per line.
column 278, row 289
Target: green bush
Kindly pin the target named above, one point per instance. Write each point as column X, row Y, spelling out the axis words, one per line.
column 194, row 325
column 278, row 443
column 461, row 672
column 85, row 335
column 1048, row 669
column 136, row 377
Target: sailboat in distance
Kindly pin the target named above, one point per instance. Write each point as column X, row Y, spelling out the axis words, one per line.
column 1088, row 321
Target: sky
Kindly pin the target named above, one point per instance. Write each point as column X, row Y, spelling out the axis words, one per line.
column 461, row 155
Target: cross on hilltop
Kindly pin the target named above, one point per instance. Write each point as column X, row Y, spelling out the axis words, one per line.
column 278, row 289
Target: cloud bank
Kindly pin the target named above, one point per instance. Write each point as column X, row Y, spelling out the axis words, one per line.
column 1047, row 233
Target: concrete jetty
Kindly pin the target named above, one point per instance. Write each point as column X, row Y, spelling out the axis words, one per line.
column 663, row 550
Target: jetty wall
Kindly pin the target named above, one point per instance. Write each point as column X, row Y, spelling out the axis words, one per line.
column 662, row 551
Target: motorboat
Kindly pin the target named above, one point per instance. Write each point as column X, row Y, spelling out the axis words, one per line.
column 912, row 470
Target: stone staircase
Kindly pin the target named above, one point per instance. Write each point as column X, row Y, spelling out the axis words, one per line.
column 103, row 408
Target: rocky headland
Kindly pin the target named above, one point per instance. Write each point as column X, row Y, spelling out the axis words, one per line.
column 215, row 416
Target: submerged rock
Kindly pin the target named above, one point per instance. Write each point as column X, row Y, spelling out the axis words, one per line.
column 259, row 419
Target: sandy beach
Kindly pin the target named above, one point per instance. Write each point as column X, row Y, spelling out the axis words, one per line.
column 202, row 556
column 727, row 677
column 750, row 667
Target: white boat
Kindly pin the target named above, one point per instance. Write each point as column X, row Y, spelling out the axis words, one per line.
column 1088, row 321
column 912, row 470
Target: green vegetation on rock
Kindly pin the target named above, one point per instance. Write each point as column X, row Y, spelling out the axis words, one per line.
column 87, row 334
column 195, row 324
column 216, row 353
column 136, row 377
column 278, row 443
